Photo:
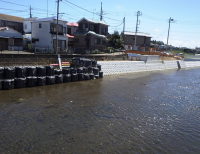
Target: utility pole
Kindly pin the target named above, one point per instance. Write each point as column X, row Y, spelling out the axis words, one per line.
column 30, row 12
column 170, row 19
column 124, row 25
column 57, row 26
column 101, row 13
column 138, row 14
column 47, row 8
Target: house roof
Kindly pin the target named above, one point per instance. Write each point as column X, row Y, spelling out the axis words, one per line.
column 30, row 19
column 48, row 19
column 3, row 28
column 70, row 36
column 138, row 34
column 11, row 18
column 88, row 32
column 72, row 24
column 93, row 21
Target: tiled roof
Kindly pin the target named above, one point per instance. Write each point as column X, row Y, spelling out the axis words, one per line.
column 70, row 36
column 11, row 18
column 72, row 24
column 93, row 21
column 88, row 32
column 138, row 34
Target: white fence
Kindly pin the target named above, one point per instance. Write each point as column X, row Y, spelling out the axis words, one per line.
column 123, row 67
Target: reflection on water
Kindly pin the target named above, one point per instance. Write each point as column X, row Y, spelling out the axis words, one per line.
column 134, row 113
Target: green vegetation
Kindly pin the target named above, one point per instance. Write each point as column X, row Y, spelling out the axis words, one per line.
column 157, row 42
column 116, row 40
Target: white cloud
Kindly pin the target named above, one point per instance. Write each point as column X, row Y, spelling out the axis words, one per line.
column 119, row 7
column 157, row 30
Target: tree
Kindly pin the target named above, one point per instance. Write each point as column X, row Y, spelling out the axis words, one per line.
column 116, row 40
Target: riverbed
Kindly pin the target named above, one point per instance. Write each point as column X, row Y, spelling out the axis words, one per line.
column 157, row 112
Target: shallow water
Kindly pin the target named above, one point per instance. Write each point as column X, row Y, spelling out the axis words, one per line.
column 155, row 112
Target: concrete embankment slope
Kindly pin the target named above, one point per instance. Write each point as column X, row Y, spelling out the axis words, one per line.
column 123, row 67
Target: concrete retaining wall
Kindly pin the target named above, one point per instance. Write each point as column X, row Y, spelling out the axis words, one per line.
column 123, row 67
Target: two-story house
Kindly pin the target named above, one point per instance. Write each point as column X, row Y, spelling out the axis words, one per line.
column 91, row 35
column 142, row 39
column 43, row 34
column 11, row 29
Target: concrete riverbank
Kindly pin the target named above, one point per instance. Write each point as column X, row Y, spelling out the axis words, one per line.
column 123, row 67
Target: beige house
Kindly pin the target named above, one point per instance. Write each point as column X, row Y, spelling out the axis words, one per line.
column 142, row 39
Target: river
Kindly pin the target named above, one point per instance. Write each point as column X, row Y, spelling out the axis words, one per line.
column 157, row 112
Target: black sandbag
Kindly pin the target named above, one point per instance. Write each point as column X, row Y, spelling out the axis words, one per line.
column 66, row 71
column 86, row 77
column 79, row 70
column 94, row 63
column 0, row 84
column 66, row 78
column 75, row 61
column 58, row 72
column 85, row 70
column 20, row 82
column 7, row 84
column 31, row 71
column 96, row 76
column 50, row 80
column 49, row 70
column 91, row 76
column 9, row 73
column 73, row 71
column 41, row 80
column 20, row 72
column 82, row 62
column 99, row 67
column 80, row 77
column 31, row 81
column 41, row 71
column 96, row 71
column 101, row 74
column 74, row 77
column 90, row 70
column 58, row 78
column 88, row 63
column 1, row 72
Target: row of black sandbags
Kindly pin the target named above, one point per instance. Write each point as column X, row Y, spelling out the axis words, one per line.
column 83, row 62
column 21, row 72
column 33, row 81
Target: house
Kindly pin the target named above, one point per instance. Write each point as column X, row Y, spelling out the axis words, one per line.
column 10, row 39
column 71, row 29
column 11, row 29
column 13, row 22
column 43, row 34
column 142, row 39
column 90, row 35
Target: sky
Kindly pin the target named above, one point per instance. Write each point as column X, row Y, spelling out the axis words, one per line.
column 154, row 19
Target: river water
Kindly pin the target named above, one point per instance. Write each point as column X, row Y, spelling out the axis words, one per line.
column 156, row 112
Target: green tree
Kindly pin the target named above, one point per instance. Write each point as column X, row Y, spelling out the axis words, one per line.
column 116, row 40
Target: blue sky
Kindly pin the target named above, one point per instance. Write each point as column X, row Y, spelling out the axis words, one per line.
column 185, row 32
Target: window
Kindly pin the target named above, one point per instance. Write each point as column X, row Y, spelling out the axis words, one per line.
column 25, row 26
column 34, row 40
column 97, row 41
column 103, row 31
column 84, row 26
column 69, row 31
column 40, row 25
column 92, row 27
column 76, row 40
column 4, row 24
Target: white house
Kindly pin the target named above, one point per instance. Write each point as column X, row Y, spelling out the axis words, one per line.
column 42, row 33
column 27, row 27
column 10, row 39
